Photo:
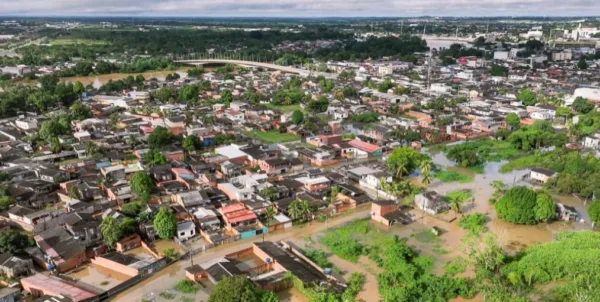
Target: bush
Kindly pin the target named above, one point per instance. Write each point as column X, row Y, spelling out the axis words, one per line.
column 171, row 254
column 521, row 205
column 451, row 176
column 186, row 286
column 473, row 223
column 342, row 241
column 319, row 257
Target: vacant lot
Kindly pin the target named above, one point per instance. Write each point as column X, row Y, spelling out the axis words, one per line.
column 273, row 136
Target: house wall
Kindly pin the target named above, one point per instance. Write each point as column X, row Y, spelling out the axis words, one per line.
column 72, row 263
column 114, row 266
column 128, row 243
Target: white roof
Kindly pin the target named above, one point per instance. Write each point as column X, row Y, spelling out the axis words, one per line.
column 230, row 152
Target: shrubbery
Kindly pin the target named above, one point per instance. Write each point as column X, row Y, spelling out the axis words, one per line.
column 521, row 205
column 473, row 223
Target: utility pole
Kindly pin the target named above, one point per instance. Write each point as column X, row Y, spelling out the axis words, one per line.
column 424, row 28
column 401, row 26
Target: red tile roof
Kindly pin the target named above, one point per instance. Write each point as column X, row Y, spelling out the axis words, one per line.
column 364, row 146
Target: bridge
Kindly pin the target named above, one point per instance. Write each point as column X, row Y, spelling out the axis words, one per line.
column 270, row 66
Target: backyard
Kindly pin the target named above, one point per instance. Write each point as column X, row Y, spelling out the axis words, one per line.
column 273, row 137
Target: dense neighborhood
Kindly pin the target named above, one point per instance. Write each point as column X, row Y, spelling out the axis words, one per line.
column 106, row 188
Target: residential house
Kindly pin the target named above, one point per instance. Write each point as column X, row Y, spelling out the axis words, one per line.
column 61, row 251
column 388, row 212
column 541, row 175
column 431, row 203
column 15, row 266
column 84, row 228
column 186, row 230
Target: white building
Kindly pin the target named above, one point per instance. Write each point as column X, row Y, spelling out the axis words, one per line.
column 592, row 94
column 26, row 123
column 584, row 32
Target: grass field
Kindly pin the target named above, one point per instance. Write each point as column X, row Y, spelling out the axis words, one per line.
column 273, row 136
column 61, row 41
column 453, row 176
column 284, row 109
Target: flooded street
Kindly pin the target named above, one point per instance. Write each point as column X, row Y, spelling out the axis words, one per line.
column 512, row 238
column 166, row 278
column 98, row 80
column 448, row 245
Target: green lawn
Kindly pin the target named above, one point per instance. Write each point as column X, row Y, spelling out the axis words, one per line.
column 273, row 136
column 284, row 109
column 453, row 176
column 61, row 41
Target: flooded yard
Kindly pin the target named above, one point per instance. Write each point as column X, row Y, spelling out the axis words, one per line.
column 98, row 277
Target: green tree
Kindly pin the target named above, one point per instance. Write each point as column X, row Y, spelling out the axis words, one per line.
column 165, row 223
column 234, row 289
column 582, row 64
column 13, row 242
column 513, row 120
column 128, row 226
column 545, row 209
column 189, row 93
column 519, row 205
column 385, row 85
column 294, row 210
column 80, row 112
column 163, row 94
column 6, row 202
column 160, row 138
column 131, row 208
column 297, row 117
column 528, row 97
column 403, row 161
column 455, row 203
column 191, row 143
column 78, row 88
column 154, row 158
column 270, row 213
column 141, row 184
column 583, row 105
column 74, row 192
column 594, row 211
column 111, row 231
column 226, row 97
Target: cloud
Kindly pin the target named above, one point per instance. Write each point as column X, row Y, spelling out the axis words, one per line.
column 300, row 8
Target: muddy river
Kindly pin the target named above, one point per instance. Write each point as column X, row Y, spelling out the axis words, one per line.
column 99, row 80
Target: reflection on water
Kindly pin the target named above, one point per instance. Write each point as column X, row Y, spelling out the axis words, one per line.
column 98, row 80
column 512, row 237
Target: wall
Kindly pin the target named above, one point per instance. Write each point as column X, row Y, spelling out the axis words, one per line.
column 114, row 266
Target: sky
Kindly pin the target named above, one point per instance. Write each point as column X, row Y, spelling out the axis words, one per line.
column 300, row 8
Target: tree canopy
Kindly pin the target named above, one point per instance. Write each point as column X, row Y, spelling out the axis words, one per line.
column 404, row 161
column 165, row 223
column 521, row 205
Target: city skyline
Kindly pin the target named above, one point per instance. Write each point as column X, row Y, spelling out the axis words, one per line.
column 301, row 8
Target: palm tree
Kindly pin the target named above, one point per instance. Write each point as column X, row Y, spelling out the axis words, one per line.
column 90, row 148
column 270, row 214
column 425, row 166
column 294, row 210
column 335, row 190
column 426, row 178
column 305, row 208
column 74, row 192
column 455, row 203
column 268, row 193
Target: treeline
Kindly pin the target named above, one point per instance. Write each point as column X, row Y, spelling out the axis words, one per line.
column 170, row 42
column 51, row 94
column 373, row 48
column 138, row 65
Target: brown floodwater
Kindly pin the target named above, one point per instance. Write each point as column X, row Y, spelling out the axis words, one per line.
column 99, row 80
